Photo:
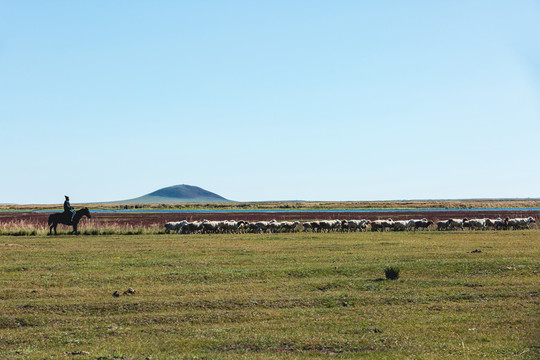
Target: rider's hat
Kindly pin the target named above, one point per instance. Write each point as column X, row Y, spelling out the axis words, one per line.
column 67, row 197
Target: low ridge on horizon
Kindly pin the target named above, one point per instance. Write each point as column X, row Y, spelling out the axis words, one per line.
column 178, row 194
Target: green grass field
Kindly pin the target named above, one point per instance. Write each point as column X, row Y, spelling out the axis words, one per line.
column 271, row 296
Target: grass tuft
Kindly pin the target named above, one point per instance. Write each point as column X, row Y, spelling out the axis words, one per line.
column 391, row 272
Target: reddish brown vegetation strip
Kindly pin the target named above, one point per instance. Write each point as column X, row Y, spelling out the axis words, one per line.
column 146, row 219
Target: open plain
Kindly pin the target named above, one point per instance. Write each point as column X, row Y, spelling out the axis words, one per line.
column 152, row 221
column 460, row 295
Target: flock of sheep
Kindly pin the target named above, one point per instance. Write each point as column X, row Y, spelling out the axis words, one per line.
column 233, row 226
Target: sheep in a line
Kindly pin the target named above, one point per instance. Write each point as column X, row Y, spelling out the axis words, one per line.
column 520, row 223
column 232, row 226
column 403, row 225
column 457, row 223
column 313, row 226
column 476, row 224
column 174, row 225
column 289, row 226
column 274, row 226
column 443, row 225
column 382, row 225
column 422, row 224
column 330, row 225
column 496, row 224
column 356, row 225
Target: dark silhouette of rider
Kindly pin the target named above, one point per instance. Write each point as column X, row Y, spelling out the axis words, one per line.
column 68, row 209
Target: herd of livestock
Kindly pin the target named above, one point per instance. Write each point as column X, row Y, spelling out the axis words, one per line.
column 273, row 226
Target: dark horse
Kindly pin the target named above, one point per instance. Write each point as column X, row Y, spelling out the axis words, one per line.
column 64, row 218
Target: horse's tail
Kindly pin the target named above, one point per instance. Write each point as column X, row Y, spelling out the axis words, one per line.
column 50, row 219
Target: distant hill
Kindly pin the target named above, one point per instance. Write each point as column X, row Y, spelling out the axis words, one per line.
column 177, row 194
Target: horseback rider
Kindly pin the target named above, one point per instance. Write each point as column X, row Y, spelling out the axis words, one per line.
column 68, row 209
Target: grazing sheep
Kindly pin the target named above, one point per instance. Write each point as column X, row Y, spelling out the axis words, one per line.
column 382, row 225
column 233, row 226
column 403, row 225
column 443, row 225
column 307, row 226
column 475, row 224
column 192, row 227
column 174, row 225
column 457, row 223
column 357, row 225
column 422, row 224
column 520, row 223
column 289, row 226
column 497, row 224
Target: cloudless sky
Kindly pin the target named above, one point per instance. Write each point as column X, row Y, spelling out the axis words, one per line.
column 269, row 100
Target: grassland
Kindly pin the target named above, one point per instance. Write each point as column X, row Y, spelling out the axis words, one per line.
column 301, row 205
column 271, row 296
column 35, row 227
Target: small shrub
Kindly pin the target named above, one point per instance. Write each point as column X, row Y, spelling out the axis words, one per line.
column 391, row 272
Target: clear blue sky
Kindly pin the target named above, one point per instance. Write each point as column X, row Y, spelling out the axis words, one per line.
column 269, row 100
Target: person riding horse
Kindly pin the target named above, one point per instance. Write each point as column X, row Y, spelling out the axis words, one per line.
column 69, row 211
